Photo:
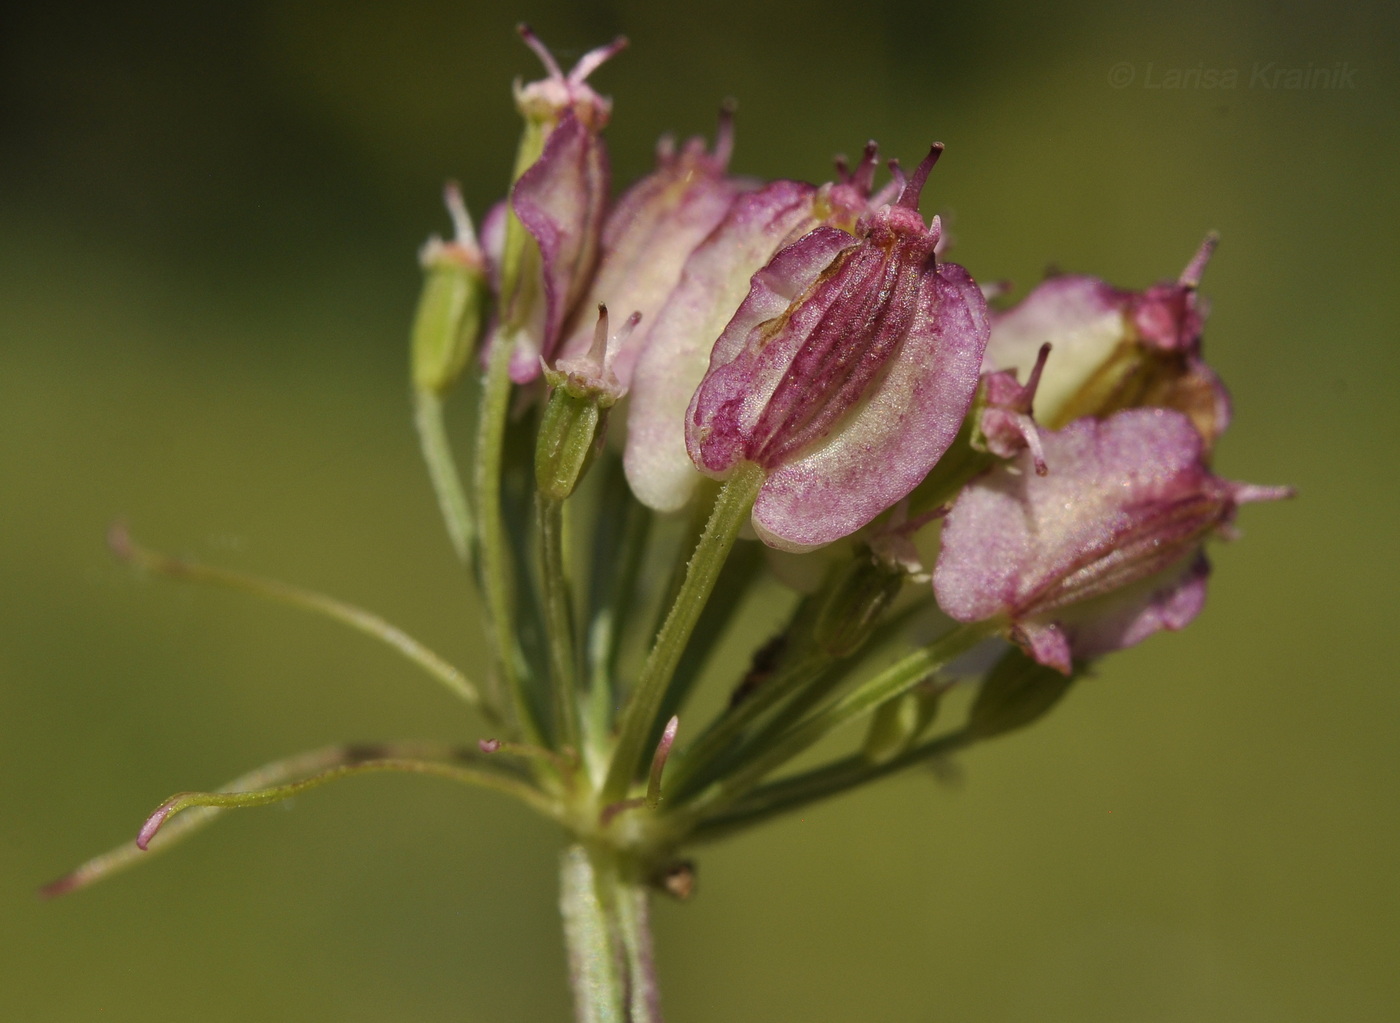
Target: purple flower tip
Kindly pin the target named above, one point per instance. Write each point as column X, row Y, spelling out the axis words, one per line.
column 668, row 738
column 1006, row 425
column 65, row 884
column 489, row 745
column 593, row 370
column 153, row 824
column 863, row 177
column 909, row 196
column 1191, row 276
column 558, row 92
column 1004, row 391
column 586, row 65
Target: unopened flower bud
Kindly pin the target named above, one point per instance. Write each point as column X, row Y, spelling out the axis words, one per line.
column 451, row 305
column 575, row 417
column 1016, row 692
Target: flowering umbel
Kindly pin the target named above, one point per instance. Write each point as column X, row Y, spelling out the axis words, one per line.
column 709, row 353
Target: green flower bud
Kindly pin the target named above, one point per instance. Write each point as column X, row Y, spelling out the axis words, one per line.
column 452, row 304
column 575, row 418
column 864, row 590
column 899, row 723
column 1017, row 692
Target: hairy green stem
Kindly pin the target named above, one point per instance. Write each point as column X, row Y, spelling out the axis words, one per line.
column 559, row 621
column 608, row 938
column 743, row 568
column 731, row 510
column 493, row 545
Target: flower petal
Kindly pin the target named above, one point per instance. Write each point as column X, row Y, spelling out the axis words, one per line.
column 1081, row 316
column 1100, row 553
column 560, row 200
column 648, row 236
column 712, row 285
column 900, row 429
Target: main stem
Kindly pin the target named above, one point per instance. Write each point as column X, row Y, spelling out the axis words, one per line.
column 607, row 932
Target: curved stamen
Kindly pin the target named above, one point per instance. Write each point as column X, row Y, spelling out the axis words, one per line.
column 909, row 198
column 864, row 176
column 594, row 59
column 1191, row 276
column 541, row 51
column 724, row 133
column 464, row 231
column 1033, row 381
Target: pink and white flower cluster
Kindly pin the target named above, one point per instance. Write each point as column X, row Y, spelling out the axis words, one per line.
column 816, row 333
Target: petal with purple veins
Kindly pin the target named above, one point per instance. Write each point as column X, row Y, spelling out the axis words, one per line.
column 1103, row 551
column 713, row 283
column 648, row 236
column 560, row 200
column 897, row 434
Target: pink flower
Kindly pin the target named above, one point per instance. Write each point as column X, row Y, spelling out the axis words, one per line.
column 713, row 282
column 845, row 374
column 1115, row 349
column 1100, row 553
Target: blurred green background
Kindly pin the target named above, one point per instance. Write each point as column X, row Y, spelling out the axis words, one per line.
column 208, row 227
